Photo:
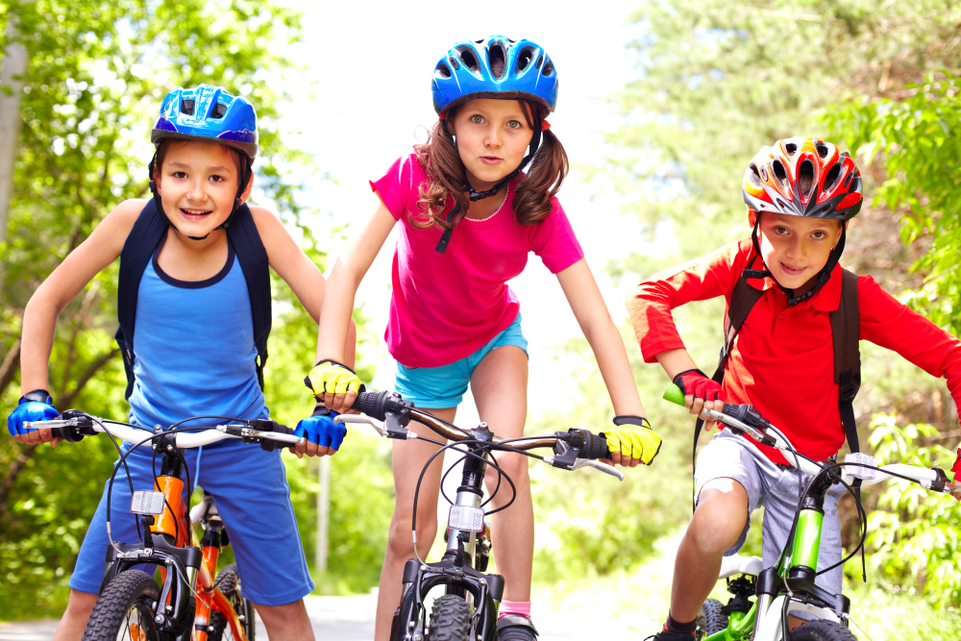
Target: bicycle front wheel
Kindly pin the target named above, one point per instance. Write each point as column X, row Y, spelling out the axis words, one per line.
column 822, row 631
column 125, row 610
column 449, row 619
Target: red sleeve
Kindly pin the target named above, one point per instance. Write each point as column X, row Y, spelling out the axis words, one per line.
column 554, row 241
column 895, row 326
column 653, row 300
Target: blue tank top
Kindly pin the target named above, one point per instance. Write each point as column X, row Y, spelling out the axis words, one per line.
column 194, row 348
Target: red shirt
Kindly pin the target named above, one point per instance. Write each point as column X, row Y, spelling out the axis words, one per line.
column 783, row 359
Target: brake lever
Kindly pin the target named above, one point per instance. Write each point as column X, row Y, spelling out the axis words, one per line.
column 599, row 466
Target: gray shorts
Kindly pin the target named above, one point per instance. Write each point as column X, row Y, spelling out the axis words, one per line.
column 778, row 490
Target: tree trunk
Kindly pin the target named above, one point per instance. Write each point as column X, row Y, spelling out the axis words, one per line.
column 11, row 86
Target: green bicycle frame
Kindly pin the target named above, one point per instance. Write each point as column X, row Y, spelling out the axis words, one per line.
column 807, row 542
column 740, row 626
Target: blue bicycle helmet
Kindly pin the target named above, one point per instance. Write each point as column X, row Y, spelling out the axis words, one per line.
column 208, row 113
column 497, row 67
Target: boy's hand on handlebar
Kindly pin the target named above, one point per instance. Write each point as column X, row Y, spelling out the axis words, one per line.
column 33, row 406
column 700, row 393
column 334, row 384
column 632, row 441
column 321, row 434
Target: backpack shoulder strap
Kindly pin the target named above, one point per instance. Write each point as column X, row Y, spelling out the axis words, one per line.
column 147, row 233
column 845, row 328
column 743, row 300
column 249, row 249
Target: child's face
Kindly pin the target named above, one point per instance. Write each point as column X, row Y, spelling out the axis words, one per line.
column 197, row 183
column 492, row 139
column 795, row 249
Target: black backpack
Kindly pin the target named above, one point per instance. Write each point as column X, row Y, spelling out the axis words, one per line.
column 147, row 233
column 845, row 328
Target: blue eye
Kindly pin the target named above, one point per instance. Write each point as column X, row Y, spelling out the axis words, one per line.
column 477, row 119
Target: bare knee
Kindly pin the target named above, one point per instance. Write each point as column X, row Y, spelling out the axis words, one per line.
column 514, row 466
column 400, row 542
column 720, row 518
column 288, row 621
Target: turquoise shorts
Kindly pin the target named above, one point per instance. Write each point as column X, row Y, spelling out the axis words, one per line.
column 444, row 387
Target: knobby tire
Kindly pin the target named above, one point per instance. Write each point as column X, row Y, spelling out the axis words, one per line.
column 125, row 610
column 228, row 582
column 449, row 619
column 714, row 618
column 822, row 631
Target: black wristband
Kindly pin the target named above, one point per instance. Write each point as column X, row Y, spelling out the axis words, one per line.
column 333, row 362
column 628, row 419
column 37, row 396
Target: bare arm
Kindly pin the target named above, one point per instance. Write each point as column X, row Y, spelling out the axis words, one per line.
column 94, row 254
column 347, row 274
column 592, row 315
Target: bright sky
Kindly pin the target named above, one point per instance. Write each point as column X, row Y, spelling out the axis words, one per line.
column 372, row 63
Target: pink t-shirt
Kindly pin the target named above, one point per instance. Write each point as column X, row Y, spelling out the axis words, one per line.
column 445, row 307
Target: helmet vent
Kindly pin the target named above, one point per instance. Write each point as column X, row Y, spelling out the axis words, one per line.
column 548, row 69
column 779, row 172
column 805, row 178
column 525, row 58
column 219, row 110
column 790, row 148
column 832, row 178
column 755, row 175
column 443, row 70
column 497, row 56
column 469, row 59
column 822, row 150
column 187, row 107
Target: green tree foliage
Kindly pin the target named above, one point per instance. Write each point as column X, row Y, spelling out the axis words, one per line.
column 97, row 74
column 916, row 529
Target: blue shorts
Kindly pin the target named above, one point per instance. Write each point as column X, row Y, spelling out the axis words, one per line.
column 249, row 486
column 777, row 489
column 444, row 387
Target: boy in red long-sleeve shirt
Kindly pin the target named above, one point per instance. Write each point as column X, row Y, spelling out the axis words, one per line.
column 800, row 193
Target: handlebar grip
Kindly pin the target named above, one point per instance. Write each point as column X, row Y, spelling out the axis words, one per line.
column 674, row 394
column 589, row 445
column 378, row 404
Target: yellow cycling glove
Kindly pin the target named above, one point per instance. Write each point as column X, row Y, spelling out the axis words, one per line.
column 331, row 377
column 633, row 436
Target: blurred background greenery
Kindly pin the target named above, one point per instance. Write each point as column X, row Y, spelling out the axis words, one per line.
column 710, row 82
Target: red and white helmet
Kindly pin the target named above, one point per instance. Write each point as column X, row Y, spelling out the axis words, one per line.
column 803, row 177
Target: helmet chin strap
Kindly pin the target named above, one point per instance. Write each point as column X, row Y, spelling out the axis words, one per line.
column 821, row 278
column 456, row 214
column 246, row 175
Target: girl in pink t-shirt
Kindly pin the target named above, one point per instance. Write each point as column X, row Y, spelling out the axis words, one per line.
column 469, row 218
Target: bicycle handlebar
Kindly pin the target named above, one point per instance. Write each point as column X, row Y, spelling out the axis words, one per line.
column 389, row 414
column 75, row 425
column 746, row 420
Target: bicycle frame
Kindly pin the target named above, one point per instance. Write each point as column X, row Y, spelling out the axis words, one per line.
column 789, row 586
column 461, row 569
column 187, row 573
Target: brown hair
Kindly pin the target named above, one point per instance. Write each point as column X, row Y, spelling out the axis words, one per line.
column 446, row 176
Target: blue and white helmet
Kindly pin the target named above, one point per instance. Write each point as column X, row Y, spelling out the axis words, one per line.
column 497, row 67
column 208, row 113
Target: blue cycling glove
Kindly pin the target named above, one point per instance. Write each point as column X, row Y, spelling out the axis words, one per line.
column 34, row 406
column 320, row 429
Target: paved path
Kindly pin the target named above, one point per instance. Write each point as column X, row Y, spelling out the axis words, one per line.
column 352, row 619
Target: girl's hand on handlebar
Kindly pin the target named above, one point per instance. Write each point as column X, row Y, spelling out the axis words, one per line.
column 334, row 384
column 632, row 440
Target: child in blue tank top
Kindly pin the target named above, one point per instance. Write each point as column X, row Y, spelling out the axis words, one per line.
column 195, row 352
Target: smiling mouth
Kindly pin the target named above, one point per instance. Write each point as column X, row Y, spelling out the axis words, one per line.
column 196, row 214
column 792, row 271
